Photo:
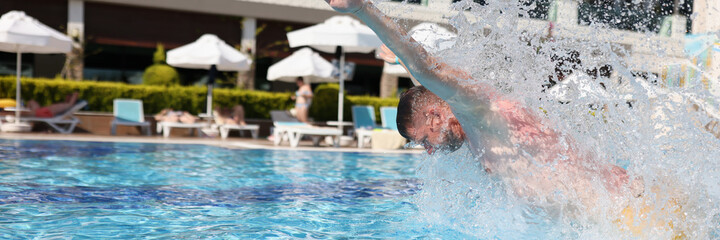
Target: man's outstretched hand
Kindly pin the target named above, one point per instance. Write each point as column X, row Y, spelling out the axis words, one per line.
column 386, row 54
column 346, row 6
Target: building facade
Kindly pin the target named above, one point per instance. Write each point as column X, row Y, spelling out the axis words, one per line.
column 116, row 38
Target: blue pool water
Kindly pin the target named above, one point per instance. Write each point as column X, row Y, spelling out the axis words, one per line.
column 91, row 190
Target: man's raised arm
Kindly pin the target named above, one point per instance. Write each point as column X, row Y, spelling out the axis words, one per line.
column 440, row 78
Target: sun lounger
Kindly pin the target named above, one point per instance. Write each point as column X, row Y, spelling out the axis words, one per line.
column 226, row 128
column 129, row 112
column 388, row 117
column 66, row 119
column 280, row 118
column 293, row 133
column 166, row 127
column 364, row 123
column 288, row 128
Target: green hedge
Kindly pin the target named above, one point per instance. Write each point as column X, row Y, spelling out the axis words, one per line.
column 325, row 98
column 100, row 95
column 258, row 104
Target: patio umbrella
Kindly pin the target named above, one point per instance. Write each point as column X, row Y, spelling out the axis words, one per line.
column 20, row 33
column 304, row 63
column 337, row 34
column 211, row 53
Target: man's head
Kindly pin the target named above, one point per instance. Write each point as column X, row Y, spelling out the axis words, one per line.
column 426, row 119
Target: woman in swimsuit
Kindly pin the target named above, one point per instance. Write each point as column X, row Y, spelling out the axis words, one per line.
column 303, row 99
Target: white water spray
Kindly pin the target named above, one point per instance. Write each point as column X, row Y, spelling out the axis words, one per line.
column 660, row 134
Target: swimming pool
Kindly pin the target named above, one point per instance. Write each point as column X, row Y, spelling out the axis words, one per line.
column 93, row 190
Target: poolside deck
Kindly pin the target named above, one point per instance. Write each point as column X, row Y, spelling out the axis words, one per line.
column 232, row 142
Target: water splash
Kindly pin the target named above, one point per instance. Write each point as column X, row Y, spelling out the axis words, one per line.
column 587, row 87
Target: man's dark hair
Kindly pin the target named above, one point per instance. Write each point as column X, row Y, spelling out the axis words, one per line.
column 406, row 108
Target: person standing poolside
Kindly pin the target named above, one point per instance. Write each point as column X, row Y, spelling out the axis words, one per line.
column 539, row 164
column 303, row 98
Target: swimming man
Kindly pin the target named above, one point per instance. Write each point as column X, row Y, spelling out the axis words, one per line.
column 513, row 143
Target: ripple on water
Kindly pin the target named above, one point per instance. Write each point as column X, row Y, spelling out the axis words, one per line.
column 200, row 192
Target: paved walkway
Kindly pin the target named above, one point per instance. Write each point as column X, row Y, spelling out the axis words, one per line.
column 232, row 142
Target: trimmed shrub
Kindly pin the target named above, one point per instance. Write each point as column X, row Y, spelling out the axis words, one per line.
column 159, row 55
column 160, row 73
column 325, row 103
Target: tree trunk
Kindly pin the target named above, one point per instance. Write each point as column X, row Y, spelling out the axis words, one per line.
column 74, row 64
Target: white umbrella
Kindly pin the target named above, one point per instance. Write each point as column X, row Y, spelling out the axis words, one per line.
column 302, row 63
column 20, row 33
column 212, row 53
column 337, row 34
column 342, row 31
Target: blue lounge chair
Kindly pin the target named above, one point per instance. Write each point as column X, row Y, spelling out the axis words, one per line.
column 364, row 123
column 388, row 116
column 129, row 112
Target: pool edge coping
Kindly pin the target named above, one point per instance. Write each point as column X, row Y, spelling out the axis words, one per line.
column 230, row 144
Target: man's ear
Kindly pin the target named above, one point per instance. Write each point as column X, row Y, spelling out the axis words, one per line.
column 455, row 125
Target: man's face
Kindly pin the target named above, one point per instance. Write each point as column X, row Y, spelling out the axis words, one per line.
column 432, row 130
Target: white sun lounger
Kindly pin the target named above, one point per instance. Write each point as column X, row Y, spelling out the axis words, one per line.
column 226, row 128
column 66, row 118
column 288, row 128
column 165, row 127
column 293, row 133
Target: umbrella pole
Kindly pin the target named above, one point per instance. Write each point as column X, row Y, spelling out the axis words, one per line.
column 211, row 83
column 341, row 95
column 17, row 87
column 209, row 100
